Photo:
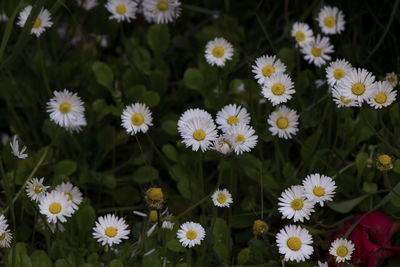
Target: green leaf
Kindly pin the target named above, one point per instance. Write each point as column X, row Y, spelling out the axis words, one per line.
column 175, row 246
column 193, row 79
column 65, row 167
column 243, row 256
column 104, row 74
column 152, row 260
column 116, row 263
column 61, row 263
column 150, row 98
column 39, row 258
column 346, row 206
column 286, row 55
column 370, row 188
column 222, row 239
column 171, row 152
column 100, row 105
column 145, row 174
column 361, row 162
column 86, row 217
column 170, row 127
column 158, row 38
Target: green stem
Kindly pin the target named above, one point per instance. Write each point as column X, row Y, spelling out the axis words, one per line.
column 194, row 206
column 189, row 257
column 42, row 66
column 344, row 169
column 198, row 9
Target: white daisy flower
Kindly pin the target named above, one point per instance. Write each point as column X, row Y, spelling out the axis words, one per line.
column 136, row 118
column 242, row 137
column 278, row 88
column 5, row 238
column 3, row 17
column 55, row 206
column 222, row 198
column 3, row 222
column 341, row 249
column 87, row 4
column 231, row 115
column 218, row 51
column 322, row 264
column 316, row 51
column 283, row 122
column 72, row 192
column 359, row 85
column 167, row 225
column 14, row 144
column 384, row 95
column 340, row 99
column 199, row 133
column 121, row 10
column 35, row 189
column 391, row 78
column 161, row 11
column 42, row 22
column 331, row 20
column 190, row 114
column 319, row 188
column 265, row 66
column 295, row 243
column 191, row 234
column 337, row 70
column 294, row 204
column 66, row 109
column 302, row 32
column 110, row 230
column 223, row 145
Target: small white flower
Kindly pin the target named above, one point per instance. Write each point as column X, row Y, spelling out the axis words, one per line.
column 72, row 192
column 199, row 133
column 14, row 144
column 66, row 109
column 319, row 188
column 340, row 99
column 295, row 243
column 190, row 114
column 391, row 78
column 161, row 11
column 342, row 249
column 191, row 234
column 223, row 145
column 294, row 204
column 121, row 10
column 359, row 85
column 278, row 88
column 136, row 118
column 5, row 238
column 266, row 66
column 316, row 51
column 87, row 4
column 231, row 115
column 331, row 20
column 35, row 189
column 218, row 51
column 40, row 24
column 3, row 222
column 337, row 70
column 167, row 225
column 302, row 33
column 222, row 198
column 283, row 122
column 242, row 137
column 384, row 95
column 110, row 230
column 3, row 17
column 55, row 206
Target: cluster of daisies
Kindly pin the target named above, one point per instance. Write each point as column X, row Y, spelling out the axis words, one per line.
column 297, row 203
column 5, row 234
column 154, row 11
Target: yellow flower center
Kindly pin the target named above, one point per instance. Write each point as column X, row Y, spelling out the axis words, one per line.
column 55, row 208
column 155, row 194
column 37, row 189
column 199, row 135
column 153, row 217
column 358, row 89
column 240, row 138
column 221, row 198
column 2, row 236
column 162, row 6
column 111, row 231
column 344, row 100
column 300, row 36
column 121, row 9
column 342, row 251
column 37, row 23
column 137, row 119
column 260, row 227
column 319, row 191
column 294, row 243
column 380, row 98
column 338, row 74
column 224, row 143
column 316, row 51
column 65, row 108
column 329, row 22
column 69, row 195
column 232, row 120
column 390, row 79
column 278, row 89
column 218, row 52
column 268, row 71
column 282, row 123
column 297, row 204
column 191, row 235
column 384, row 159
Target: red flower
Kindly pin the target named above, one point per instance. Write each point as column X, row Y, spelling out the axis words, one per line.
column 371, row 238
